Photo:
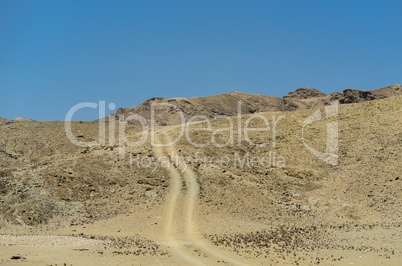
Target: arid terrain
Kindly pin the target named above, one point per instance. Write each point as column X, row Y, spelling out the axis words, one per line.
column 166, row 110
column 220, row 195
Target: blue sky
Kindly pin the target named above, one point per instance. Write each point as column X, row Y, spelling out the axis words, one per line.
column 55, row 54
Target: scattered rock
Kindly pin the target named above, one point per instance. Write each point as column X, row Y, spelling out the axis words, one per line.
column 18, row 257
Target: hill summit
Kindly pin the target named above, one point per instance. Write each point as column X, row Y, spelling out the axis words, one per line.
column 166, row 111
column 5, row 121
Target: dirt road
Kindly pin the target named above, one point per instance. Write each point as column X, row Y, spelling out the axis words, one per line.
column 189, row 244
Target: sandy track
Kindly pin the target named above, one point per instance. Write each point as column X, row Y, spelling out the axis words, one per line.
column 179, row 173
column 169, row 230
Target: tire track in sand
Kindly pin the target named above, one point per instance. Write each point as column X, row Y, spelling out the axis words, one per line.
column 169, row 230
column 191, row 231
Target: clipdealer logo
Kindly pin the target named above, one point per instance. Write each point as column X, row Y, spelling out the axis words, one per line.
column 235, row 137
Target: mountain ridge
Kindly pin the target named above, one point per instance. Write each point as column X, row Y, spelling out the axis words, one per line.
column 227, row 104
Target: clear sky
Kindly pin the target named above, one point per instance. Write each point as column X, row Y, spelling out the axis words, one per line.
column 55, row 54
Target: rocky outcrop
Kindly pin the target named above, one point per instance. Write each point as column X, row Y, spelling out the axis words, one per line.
column 305, row 93
column 356, row 96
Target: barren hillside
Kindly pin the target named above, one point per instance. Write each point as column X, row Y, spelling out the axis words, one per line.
column 3, row 120
column 230, row 200
column 166, row 111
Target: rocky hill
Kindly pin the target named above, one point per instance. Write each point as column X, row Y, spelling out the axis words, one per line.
column 305, row 93
column 166, row 111
column 5, row 121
